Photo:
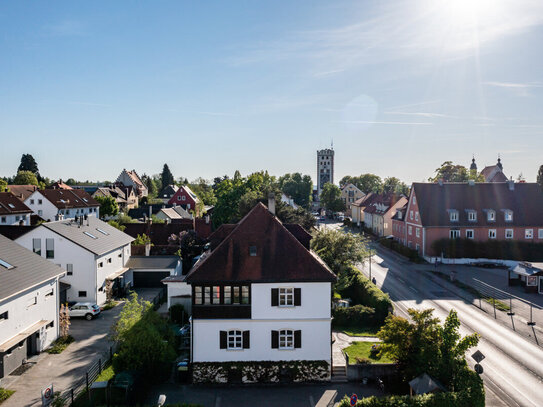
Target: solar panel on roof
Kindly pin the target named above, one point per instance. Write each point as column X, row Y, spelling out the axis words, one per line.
column 6, row 264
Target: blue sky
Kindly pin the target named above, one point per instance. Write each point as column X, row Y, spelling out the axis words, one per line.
column 89, row 88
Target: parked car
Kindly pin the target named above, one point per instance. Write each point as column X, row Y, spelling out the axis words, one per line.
column 86, row 310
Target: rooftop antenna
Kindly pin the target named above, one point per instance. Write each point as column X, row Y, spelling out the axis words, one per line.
column 332, row 143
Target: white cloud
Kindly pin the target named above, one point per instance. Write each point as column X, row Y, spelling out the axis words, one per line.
column 386, row 122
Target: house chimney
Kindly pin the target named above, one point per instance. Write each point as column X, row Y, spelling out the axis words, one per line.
column 511, row 184
column 271, row 203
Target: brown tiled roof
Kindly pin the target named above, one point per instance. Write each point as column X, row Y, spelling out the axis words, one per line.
column 387, row 200
column 135, row 177
column 69, row 198
column 401, row 210
column 59, row 185
column 22, row 191
column 220, row 234
column 11, row 205
column 303, row 236
column 280, row 256
column 362, row 202
column 499, row 176
column 435, row 202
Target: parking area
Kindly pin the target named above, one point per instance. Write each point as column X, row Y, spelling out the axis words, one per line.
column 62, row 370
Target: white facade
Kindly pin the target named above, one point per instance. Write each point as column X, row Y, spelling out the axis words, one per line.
column 88, row 271
column 312, row 317
column 179, row 292
column 14, row 220
column 45, row 209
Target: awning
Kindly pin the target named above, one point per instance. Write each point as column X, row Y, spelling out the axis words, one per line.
column 117, row 274
column 10, row 343
column 527, row 270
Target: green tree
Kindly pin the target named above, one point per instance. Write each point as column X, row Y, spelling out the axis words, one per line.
column 331, row 198
column 28, row 163
column 142, row 240
column 204, row 190
column 25, row 178
column 133, row 310
column 366, row 182
column 108, row 206
column 450, row 172
column 394, row 185
column 3, row 185
column 540, row 176
column 338, row 249
column 424, row 346
column 117, row 225
column 166, row 177
column 299, row 187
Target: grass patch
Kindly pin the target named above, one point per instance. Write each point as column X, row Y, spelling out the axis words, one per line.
column 361, row 352
column 60, row 344
column 109, row 305
column 358, row 330
column 106, row 374
column 500, row 305
column 5, row 394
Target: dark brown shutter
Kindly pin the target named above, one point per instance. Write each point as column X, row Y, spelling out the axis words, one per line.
column 246, row 343
column 275, row 297
column 275, row 339
column 297, row 296
column 297, row 339
column 223, row 335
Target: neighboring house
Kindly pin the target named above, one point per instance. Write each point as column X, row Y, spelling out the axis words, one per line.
column 379, row 212
column 149, row 271
column 22, row 191
column 93, row 253
column 479, row 211
column 59, row 185
column 124, row 197
column 187, row 199
column 13, row 211
column 132, row 179
column 494, row 173
column 358, row 206
column 56, row 204
column 261, row 296
column 167, row 193
column 398, row 225
column 288, row 201
column 173, row 214
column 29, row 306
column 349, row 194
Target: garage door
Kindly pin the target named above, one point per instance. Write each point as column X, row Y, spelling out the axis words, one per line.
column 144, row 279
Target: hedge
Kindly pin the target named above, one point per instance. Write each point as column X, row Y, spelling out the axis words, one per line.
column 491, row 249
column 362, row 291
column 411, row 254
column 358, row 315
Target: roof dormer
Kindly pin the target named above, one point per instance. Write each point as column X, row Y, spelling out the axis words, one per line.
column 453, row 215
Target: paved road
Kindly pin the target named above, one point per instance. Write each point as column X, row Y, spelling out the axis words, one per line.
column 513, row 366
column 65, row 369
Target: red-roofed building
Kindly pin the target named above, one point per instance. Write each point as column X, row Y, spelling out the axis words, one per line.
column 379, row 211
column 261, row 293
column 132, row 179
column 13, row 211
column 57, row 204
column 187, row 199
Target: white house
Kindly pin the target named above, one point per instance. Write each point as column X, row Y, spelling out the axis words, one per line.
column 29, row 287
column 92, row 252
column 13, row 211
column 56, row 204
column 261, row 296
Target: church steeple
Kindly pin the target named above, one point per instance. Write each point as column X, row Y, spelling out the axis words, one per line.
column 473, row 166
column 500, row 166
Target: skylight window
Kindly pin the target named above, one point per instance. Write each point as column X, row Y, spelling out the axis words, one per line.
column 90, row 235
column 6, row 264
column 11, row 205
column 102, row 231
column 85, row 199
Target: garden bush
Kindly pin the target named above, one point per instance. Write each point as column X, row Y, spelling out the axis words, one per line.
column 5, row 394
column 60, row 344
column 358, row 315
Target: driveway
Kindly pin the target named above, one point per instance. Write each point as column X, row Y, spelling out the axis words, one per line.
column 91, row 341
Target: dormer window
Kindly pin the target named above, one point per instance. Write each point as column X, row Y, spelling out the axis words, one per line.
column 472, row 216
column 491, row 216
column 453, row 215
column 508, row 215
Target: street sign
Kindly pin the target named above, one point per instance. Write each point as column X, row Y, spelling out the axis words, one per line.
column 478, row 356
column 354, row 399
column 47, row 395
column 478, row 368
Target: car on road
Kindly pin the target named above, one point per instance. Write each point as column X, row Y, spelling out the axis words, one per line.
column 86, row 310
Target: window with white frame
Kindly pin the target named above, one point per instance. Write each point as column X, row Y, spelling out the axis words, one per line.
column 286, row 297
column 417, row 232
column 50, row 248
column 454, row 234
column 69, row 269
column 540, row 234
column 286, row 339
column 183, row 198
column 492, row 233
column 472, row 216
column 36, row 246
column 414, row 200
column 508, row 215
column 469, row 234
column 491, row 216
column 410, row 230
column 235, row 340
column 198, row 295
column 528, row 233
column 453, row 216
column 411, row 215
column 417, row 216
column 508, row 233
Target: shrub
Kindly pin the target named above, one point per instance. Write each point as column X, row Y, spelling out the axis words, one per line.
column 358, row 315
column 491, row 249
column 5, row 394
column 60, row 344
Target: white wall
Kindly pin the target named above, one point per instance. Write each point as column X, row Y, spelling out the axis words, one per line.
column 315, row 301
column 13, row 220
column 49, row 211
column 176, row 289
column 118, row 258
column 21, row 316
column 316, row 340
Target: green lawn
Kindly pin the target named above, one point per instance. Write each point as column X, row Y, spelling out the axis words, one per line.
column 361, row 350
column 106, row 374
column 5, row 394
column 358, row 331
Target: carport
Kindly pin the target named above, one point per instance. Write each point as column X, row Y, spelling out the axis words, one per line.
column 149, row 271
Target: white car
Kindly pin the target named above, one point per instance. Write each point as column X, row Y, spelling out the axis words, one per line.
column 86, row 310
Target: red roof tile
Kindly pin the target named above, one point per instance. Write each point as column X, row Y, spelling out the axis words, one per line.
column 11, row 205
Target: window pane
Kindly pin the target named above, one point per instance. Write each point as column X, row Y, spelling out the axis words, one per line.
column 228, row 295
column 207, row 295
column 245, row 294
column 216, row 295
column 36, row 246
column 236, row 295
column 198, row 295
